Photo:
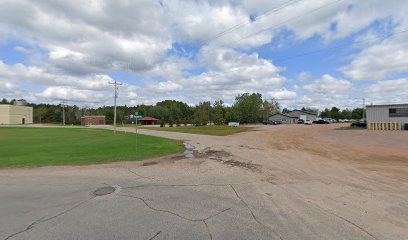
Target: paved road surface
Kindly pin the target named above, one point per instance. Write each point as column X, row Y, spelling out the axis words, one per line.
column 285, row 182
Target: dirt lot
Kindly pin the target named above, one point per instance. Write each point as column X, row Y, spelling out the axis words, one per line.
column 383, row 152
column 276, row 182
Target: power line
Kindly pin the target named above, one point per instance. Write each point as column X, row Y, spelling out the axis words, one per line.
column 275, row 26
column 339, row 46
column 284, row 22
column 264, row 14
column 321, row 50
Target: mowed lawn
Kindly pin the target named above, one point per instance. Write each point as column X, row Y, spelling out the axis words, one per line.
column 206, row 130
column 31, row 147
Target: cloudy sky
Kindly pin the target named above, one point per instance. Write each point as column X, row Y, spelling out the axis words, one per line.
column 312, row 53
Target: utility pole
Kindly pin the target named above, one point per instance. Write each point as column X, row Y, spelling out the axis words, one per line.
column 114, row 103
column 63, row 112
column 364, row 117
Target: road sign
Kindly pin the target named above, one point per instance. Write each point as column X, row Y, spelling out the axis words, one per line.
column 138, row 116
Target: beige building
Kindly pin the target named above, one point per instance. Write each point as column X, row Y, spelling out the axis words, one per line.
column 13, row 114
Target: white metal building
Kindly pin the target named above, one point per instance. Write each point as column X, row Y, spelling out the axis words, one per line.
column 303, row 115
column 14, row 114
column 392, row 113
column 293, row 116
column 284, row 118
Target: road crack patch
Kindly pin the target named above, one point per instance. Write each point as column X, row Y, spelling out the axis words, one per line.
column 157, row 234
column 139, row 175
column 252, row 213
column 170, row 212
column 43, row 219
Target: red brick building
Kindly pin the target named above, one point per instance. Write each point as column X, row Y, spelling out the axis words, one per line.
column 93, row 120
column 148, row 121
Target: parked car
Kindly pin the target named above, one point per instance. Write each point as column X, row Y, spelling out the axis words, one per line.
column 308, row 122
column 330, row 120
column 270, row 122
column 300, row 121
column 362, row 123
column 322, row 121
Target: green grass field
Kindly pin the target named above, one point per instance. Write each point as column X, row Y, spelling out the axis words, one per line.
column 33, row 147
column 205, row 130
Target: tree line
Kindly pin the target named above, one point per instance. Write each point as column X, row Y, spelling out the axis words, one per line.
column 247, row 108
column 336, row 113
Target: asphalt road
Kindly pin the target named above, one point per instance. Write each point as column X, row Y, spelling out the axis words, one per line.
column 235, row 187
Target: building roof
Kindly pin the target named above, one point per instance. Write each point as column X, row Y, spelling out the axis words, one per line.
column 282, row 114
column 148, row 119
column 14, row 106
column 389, row 105
column 311, row 113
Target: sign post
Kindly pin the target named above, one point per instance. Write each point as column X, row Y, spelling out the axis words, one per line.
column 136, row 116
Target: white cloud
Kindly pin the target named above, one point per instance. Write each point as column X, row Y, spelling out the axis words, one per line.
column 20, row 73
column 166, row 86
column 388, row 91
column 8, row 88
column 380, row 61
column 328, row 85
column 328, row 91
column 73, row 46
column 84, row 37
column 304, row 76
column 282, row 94
column 67, row 93
column 23, row 50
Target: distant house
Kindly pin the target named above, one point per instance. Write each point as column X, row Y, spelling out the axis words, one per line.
column 93, row 120
column 284, row 118
column 293, row 116
column 303, row 115
column 148, row 121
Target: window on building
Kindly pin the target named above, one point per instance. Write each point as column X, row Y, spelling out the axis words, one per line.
column 398, row 112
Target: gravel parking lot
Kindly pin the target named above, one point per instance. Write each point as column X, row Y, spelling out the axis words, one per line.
column 276, row 182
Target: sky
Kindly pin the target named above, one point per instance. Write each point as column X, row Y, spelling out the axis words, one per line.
column 303, row 53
